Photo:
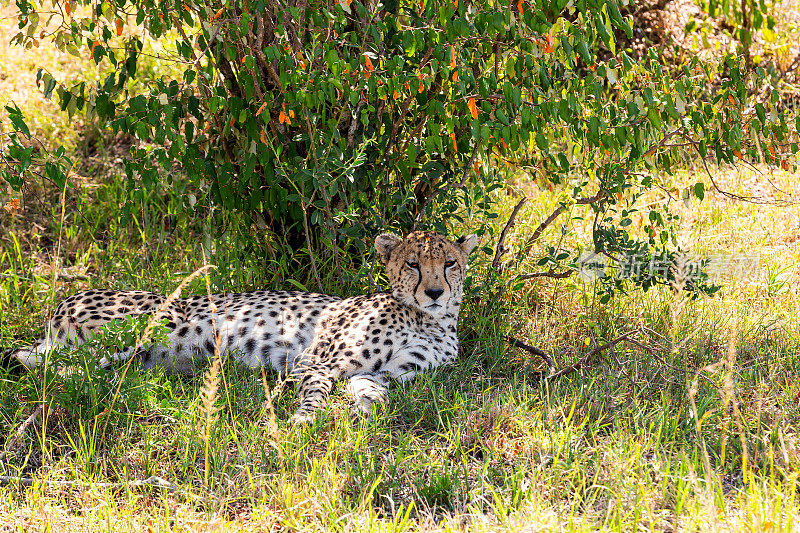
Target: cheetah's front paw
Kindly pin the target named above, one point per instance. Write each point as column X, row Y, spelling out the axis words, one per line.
column 303, row 418
column 361, row 408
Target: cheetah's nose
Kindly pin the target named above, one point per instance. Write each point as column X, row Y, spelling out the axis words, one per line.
column 433, row 294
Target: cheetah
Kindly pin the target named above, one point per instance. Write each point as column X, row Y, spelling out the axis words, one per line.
column 314, row 339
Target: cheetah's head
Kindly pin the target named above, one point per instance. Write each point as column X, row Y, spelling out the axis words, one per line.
column 426, row 269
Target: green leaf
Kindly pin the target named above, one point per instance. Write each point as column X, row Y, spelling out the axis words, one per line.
column 654, row 117
column 699, row 190
column 605, row 36
column 583, row 50
column 15, row 115
column 541, row 142
column 617, row 20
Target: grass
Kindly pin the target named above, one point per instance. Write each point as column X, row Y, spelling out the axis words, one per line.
column 629, row 441
column 695, row 430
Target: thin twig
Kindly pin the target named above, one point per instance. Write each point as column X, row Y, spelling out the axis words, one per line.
column 549, row 274
column 459, row 185
column 501, row 248
column 657, row 356
column 354, row 124
column 407, row 101
column 310, row 249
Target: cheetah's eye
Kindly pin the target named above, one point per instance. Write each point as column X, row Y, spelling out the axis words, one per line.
column 448, row 264
column 412, row 264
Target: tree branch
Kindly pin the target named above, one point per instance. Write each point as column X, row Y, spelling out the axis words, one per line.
column 501, row 249
column 537, row 233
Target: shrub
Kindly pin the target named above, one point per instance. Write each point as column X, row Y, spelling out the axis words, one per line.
column 328, row 120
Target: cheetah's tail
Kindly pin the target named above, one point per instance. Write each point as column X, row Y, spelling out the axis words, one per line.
column 10, row 362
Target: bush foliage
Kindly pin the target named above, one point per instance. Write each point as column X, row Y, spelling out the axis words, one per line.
column 326, row 121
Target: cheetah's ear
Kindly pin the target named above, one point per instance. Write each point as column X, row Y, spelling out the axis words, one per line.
column 467, row 243
column 385, row 243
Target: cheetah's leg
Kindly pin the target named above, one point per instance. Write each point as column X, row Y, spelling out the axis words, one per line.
column 367, row 390
column 313, row 388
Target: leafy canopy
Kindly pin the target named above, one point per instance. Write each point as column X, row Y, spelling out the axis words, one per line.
column 325, row 121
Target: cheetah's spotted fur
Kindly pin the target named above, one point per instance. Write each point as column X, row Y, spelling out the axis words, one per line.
column 314, row 338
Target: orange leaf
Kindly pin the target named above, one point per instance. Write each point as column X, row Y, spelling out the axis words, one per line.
column 367, row 75
column 731, row 100
column 291, row 113
column 12, row 204
column 519, row 7
column 68, row 8
column 473, row 109
column 503, row 142
column 218, row 14
column 784, row 164
column 737, row 153
column 395, row 95
column 771, row 149
column 455, row 4
column 264, row 137
column 453, row 136
column 422, row 5
column 408, row 87
column 368, row 63
column 119, row 27
column 94, row 45
column 421, row 87
column 187, row 8
column 476, row 166
column 260, row 109
column 548, row 46
column 455, row 76
column 452, row 56
column 302, row 64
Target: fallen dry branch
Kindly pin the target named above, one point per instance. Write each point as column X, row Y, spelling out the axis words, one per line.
column 532, row 349
column 23, row 428
column 585, row 359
